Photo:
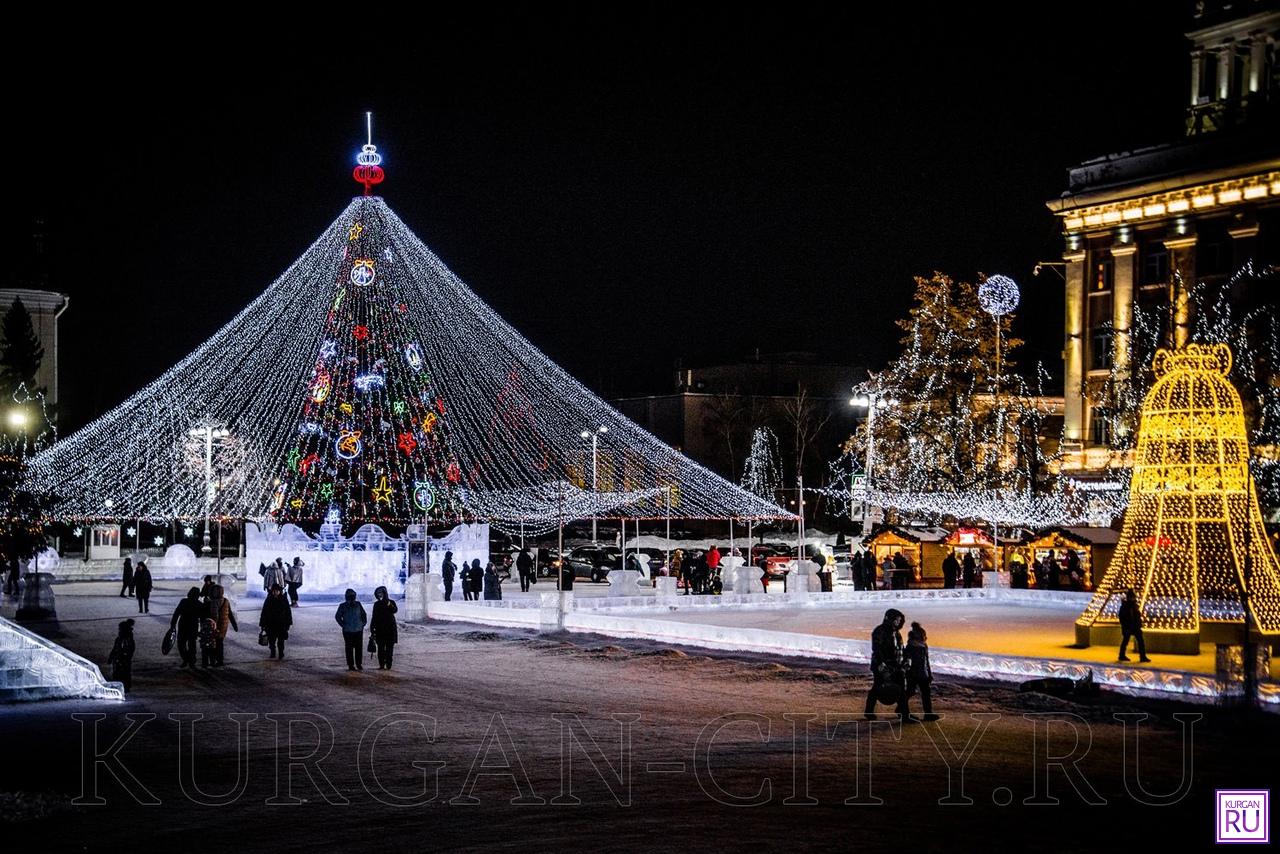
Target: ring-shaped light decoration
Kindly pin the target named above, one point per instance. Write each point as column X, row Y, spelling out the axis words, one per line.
column 413, row 355
column 362, row 272
column 998, row 295
column 424, row 497
column 348, row 445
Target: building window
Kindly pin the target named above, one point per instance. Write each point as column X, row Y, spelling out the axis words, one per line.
column 1102, row 270
column 1100, row 349
column 1100, row 425
column 1155, row 264
column 1100, row 331
column 1213, row 257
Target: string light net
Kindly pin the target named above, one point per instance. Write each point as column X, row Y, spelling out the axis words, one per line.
column 369, row 380
column 1193, row 513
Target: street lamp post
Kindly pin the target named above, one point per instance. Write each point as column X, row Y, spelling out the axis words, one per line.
column 208, row 431
column 871, row 403
column 594, row 436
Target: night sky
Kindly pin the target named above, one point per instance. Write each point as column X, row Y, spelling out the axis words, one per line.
column 628, row 188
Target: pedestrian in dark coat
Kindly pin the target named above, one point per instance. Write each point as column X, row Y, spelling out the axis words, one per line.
column 352, row 617
column 477, row 579
column 382, row 627
column 950, row 571
column 1053, row 570
column 969, row 569
column 1131, row 626
column 886, row 663
column 1041, row 573
column 186, row 619
column 293, row 577
column 126, row 585
column 902, row 571
column 143, row 585
column 448, row 569
column 121, row 657
column 524, row 566
column 492, row 582
column 218, row 609
column 206, row 589
column 1075, row 572
column 275, row 620
column 919, row 673
column 1018, row 575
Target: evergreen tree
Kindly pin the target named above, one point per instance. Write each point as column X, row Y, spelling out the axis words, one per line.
column 21, row 353
column 942, row 409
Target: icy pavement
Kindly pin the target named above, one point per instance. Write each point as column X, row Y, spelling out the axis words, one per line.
column 708, row 733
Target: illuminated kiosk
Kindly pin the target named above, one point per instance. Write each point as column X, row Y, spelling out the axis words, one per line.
column 1193, row 540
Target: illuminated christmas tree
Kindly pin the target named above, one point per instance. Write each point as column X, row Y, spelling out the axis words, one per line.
column 369, row 380
column 1193, row 540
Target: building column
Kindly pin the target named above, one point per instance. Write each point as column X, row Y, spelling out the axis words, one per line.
column 1073, row 350
column 1243, row 241
column 1125, row 257
column 1182, row 278
column 1196, row 58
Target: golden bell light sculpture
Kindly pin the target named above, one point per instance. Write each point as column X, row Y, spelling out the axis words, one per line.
column 1193, row 541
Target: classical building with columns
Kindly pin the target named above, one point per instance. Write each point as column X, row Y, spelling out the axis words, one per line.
column 1142, row 227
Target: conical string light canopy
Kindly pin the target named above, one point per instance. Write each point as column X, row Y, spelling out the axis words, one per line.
column 369, row 380
column 1193, row 540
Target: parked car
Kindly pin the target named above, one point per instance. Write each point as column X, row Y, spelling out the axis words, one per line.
column 593, row 562
column 657, row 559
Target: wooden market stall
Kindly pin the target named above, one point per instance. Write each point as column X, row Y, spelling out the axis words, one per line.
column 1094, row 547
column 923, row 547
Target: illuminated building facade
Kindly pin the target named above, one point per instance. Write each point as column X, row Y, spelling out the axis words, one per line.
column 1142, row 227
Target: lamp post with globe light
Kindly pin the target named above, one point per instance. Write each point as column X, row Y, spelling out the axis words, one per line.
column 998, row 296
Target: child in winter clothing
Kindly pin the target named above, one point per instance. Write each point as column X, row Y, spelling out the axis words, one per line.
column 121, row 658
column 208, row 642
column 919, row 673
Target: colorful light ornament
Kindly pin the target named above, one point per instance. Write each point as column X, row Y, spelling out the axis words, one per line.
column 407, row 443
column 361, row 333
column 353, row 233
column 413, row 355
column 424, row 497
column 398, row 407
column 362, row 272
column 348, row 444
column 305, row 464
column 277, row 498
column 1193, row 540
column 188, row 531
column 131, row 531
column 369, row 382
column 328, row 350
column 368, row 171
column 321, row 386
column 326, row 491
column 429, row 422
column 382, row 492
